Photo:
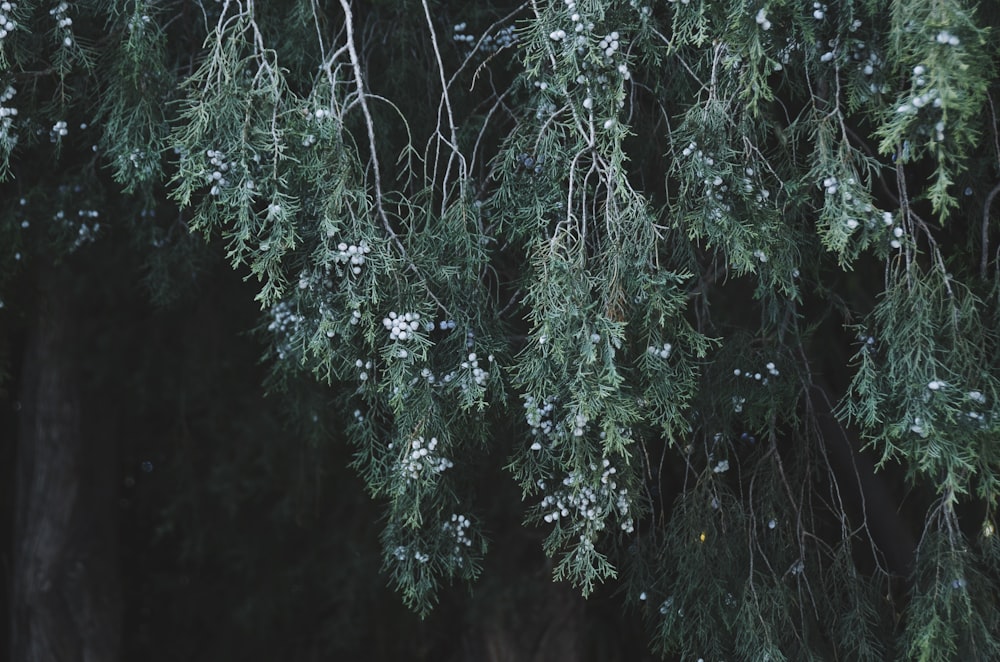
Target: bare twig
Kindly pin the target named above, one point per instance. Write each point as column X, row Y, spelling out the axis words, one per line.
column 370, row 127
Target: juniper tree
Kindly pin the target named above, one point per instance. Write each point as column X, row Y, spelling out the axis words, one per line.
column 714, row 275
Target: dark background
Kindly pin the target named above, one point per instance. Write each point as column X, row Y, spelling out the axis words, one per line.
column 226, row 524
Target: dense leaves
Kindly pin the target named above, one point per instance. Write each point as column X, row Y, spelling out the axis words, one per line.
column 686, row 263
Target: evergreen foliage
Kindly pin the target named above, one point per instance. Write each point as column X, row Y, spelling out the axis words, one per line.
column 675, row 260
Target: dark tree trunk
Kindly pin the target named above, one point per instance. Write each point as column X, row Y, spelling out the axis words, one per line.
column 65, row 603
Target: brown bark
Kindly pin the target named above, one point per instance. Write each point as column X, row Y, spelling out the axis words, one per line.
column 64, row 589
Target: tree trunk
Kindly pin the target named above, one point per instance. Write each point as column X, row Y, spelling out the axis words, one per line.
column 65, row 603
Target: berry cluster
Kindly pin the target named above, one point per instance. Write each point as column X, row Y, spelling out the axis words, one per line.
column 7, row 24
column 980, row 399
column 594, row 504
column 142, row 160
column 7, row 115
column 770, row 368
column 853, row 202
column 478, row 374
column 284, row 322
column 283, row 319
column 531, row 163
column 401, row 327
column 318, row 116
column 645, row 11
column 217, row 177
column 458, row 526
column 761, row 19
column 538, row 416
column 353, row 254
column 402, row 552
column 662, row 351
column 86, row 233
column 363, row 368
column 63, row 22
column 422, row 460
column 459, row 34
column 138, row 23
column 505, row 37
column 927, row 97
column 946, row 38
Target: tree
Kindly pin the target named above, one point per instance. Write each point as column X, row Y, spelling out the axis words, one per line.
column 714, row 281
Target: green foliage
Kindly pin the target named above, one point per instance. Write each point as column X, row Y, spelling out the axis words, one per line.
column 940, row 49
column 953, row 611
column 139, row 85
column 644, row 236
column 925, row 388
